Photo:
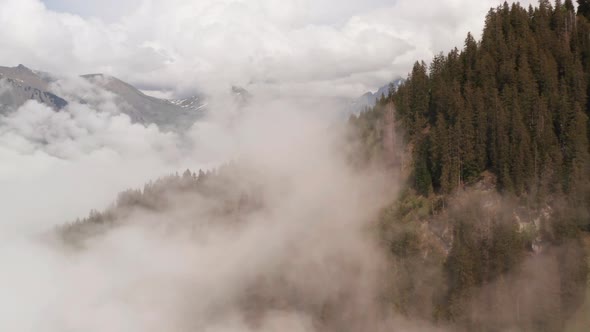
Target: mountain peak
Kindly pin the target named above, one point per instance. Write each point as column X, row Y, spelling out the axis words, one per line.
column 22, row 67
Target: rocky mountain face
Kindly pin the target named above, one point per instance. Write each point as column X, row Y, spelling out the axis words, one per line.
column 35, row 79
column 20, row 84
column 193, row 103
column 141, row 108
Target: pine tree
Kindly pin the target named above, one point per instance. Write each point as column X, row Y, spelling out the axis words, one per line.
column 418, row 98
column 584, row 8
column 422, row 177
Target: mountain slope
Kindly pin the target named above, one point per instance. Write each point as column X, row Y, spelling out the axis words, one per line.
column 28, row 77
column 193, row 103
column 146, row 109
column 512, row 108
column 20, row 84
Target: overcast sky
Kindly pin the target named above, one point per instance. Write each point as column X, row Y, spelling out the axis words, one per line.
column 327, row 47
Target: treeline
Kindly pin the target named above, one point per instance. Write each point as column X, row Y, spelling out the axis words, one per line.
column 220, row 194
column 515, row 103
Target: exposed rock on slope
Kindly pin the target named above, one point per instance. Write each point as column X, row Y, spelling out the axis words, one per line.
column 146, row 109
column 20, row 84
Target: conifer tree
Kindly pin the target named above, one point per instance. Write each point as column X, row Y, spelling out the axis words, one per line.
column 584, row 8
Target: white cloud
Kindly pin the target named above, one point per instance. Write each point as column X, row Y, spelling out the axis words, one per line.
column 298, row 48
column 62, row 164
column 186, row 267
column 56, row 166
column 345, row 47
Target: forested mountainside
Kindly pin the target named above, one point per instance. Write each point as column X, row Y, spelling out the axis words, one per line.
column 488, row 234
column 285, row 259
column 515, row 103
column 498, row 170
column 225, row 191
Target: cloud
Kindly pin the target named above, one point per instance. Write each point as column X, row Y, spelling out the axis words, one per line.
column 108, row 10
column 56, row 166
column 65, row 163
column 345, row 47
column 186, row 268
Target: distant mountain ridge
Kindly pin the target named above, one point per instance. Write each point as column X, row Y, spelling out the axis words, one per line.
column 141, row 108
column 370, row 99
column 34, row 79
column 20, row 84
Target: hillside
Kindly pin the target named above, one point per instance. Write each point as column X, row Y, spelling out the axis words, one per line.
column 141, row 108
column 509, row 115
column 20, row 84
column 514, row 103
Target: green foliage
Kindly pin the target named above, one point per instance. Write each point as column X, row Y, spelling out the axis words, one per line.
column 584, row 8
column 417, row 261
column 485, row 246
column 516, row 104
column 409, row 207
column 422, row 176
column 368, row 135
